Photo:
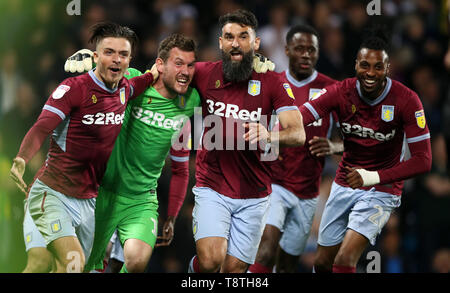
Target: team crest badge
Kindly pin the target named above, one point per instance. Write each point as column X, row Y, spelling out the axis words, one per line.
column 29, row 238
column 314, row 94
column 288, row 89
column 94, row 99
column 353, row 109
column 60, row 91
column 387, row 113
column 122, row 95
column 56, row 226
column 254, row 87
column 217, row 84
column 194, row 227
column 420, row 118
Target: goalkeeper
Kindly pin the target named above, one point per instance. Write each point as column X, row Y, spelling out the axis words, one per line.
column 127, row 198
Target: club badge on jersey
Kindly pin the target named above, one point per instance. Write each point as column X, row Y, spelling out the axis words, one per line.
column 387, row 113
column 60, row 91
column 254, row 87
column 181, row 102
column 420, row 118
column 314, row 94
column 122, row 95
column 288, row 89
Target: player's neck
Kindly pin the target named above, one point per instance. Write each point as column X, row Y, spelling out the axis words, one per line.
column 110, row 85
column 163, row 90
column 374, row 95
column 299, row 76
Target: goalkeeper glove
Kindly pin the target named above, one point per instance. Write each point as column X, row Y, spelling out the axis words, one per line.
column 80, row 62
column 261, row 64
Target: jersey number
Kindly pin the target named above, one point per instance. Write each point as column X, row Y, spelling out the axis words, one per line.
column 380, row 217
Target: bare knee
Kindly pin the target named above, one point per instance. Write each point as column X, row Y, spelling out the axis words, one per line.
column 325, row 255
column 136, row 265
column 39, row 260
column 344, row 258
column 268, row 247
column 209, row 263
column 211, row 253
column 137, row 253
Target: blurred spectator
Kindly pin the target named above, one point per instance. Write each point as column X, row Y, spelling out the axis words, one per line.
column 331, row 61
column 273, row 37
column 9, row 81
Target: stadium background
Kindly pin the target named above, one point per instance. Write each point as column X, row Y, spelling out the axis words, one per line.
column 37, row 36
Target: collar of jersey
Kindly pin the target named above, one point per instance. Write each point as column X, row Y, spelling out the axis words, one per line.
column 300, row 83
column 100, row 83
column 380, row 98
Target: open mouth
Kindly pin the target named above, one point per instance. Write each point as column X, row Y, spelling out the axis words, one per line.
column 114, row 69
column 183, row 80
column 236, row 55
column 369, row 83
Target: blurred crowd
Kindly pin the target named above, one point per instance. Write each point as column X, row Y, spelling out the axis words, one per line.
column 38, row 35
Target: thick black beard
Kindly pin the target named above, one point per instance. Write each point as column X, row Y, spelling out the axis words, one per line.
column 237, row 71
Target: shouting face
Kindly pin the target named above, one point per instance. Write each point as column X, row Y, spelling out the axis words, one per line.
column 238, row 44
column 176, row 72
column 113, row 57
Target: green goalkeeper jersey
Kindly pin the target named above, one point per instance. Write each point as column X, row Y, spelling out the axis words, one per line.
column 150, row 124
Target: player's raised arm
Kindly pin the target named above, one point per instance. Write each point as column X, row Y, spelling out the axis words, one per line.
column 53, row 113
column 142, row 82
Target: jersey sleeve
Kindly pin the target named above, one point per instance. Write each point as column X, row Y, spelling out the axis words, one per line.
column 180, row 171
column 418, row 139
column 140, row 83
column 325, row 102
column 58, row 106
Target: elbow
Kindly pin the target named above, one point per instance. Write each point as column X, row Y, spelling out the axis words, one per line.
column 301, row 138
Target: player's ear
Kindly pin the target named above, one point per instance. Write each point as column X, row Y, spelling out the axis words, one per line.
column 220, row 43
column 159, row 64
column 257, row 42
column 95, row 57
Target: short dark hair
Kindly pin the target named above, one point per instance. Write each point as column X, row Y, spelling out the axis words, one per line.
column 240, row 16
column 175, row 41
column 376, row 38
column 301, row 28
column 110, row 29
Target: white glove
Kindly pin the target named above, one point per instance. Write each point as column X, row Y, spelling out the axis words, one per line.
column 80, row 62
column 369, row 177
column 261, row 64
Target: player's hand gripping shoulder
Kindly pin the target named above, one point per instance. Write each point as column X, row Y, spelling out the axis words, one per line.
column 80, row 62
column 261, row 64
column 357, row 178
column 322, row 146
column 16, row 173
